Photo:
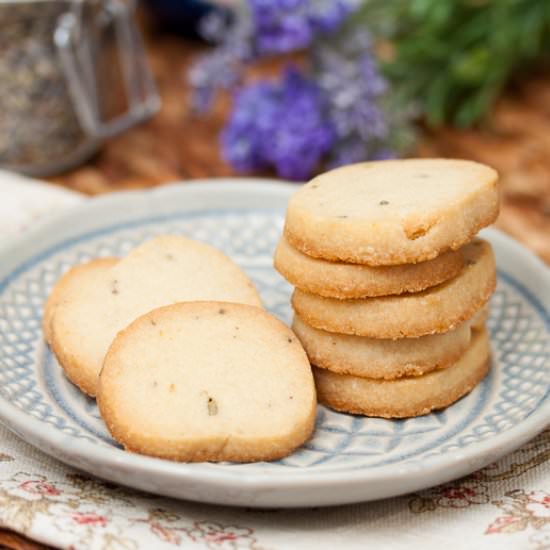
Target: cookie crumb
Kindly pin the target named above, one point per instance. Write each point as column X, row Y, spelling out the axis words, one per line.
column 470, row 262
column 221, row 311
column 114, row 287
column 153, row 322
column 290, row 340
column 291, row 397
column 155, row 384
column 172, row 388
column 384, row 203
column 212, row 407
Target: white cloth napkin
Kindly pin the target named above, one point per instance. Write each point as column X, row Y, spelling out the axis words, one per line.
column 23, row 201
column 504, row 506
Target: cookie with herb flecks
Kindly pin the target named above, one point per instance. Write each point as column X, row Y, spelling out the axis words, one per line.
column 343, row 280
column 208, row 381
column 162, row 271
column 435, row 310
column 410, row 396
column 392, row 212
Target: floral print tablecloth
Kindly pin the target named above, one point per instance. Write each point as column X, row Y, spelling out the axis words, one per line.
column 503, row 506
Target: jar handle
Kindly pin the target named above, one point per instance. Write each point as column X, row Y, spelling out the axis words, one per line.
column 143, row 98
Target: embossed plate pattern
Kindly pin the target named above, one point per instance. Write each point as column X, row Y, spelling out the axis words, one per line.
column 350, row 458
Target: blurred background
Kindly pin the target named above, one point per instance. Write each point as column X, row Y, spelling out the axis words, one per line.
column 99, row 96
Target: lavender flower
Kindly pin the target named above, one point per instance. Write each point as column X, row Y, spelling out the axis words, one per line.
column 242, row 138
column 210, row 73
column 281, row 25
column 327, row 16
column 286, row 25
column 214, row 26
column 278, row 124
column 352, row 86
column 222, row 68
column 266, row 27
column 336, row 115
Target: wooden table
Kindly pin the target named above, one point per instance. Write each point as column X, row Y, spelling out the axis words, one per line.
column 177, row 145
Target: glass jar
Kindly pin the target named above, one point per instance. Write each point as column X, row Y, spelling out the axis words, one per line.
column 72, row 73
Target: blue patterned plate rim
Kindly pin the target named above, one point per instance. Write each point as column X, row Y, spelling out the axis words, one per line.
column 239, row 193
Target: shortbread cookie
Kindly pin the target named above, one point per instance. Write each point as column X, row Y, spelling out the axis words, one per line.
column 340, row 280
column 437, row 309
column 70, row 283
column 382, row 358
column 208, row 381
column 406, row 397
column 162, row 271
column 392, row 212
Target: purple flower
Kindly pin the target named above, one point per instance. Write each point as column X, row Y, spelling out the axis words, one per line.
column 286, row 25
column 210, row 73
column 214, row 26
column 338, row 114
column 222, row 68
column 326, row 16
column 269, row 26
column 352, row 86
column 278, row 124
column 252, row 113
column 280, row 25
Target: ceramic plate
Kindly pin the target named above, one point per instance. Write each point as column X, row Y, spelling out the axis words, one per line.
column 350, row 458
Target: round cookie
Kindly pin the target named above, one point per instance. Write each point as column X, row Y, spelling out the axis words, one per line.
column 392, row 212
column 69, row 284
column 382, row 358
column 208, row 381
column 162, row 271
column 406, row 397
column 340, row 280
column 437, row 309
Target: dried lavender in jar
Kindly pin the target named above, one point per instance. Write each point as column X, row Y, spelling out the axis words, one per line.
column 39, row 129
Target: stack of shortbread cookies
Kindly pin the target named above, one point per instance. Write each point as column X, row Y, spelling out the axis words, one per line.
column 391, row 283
